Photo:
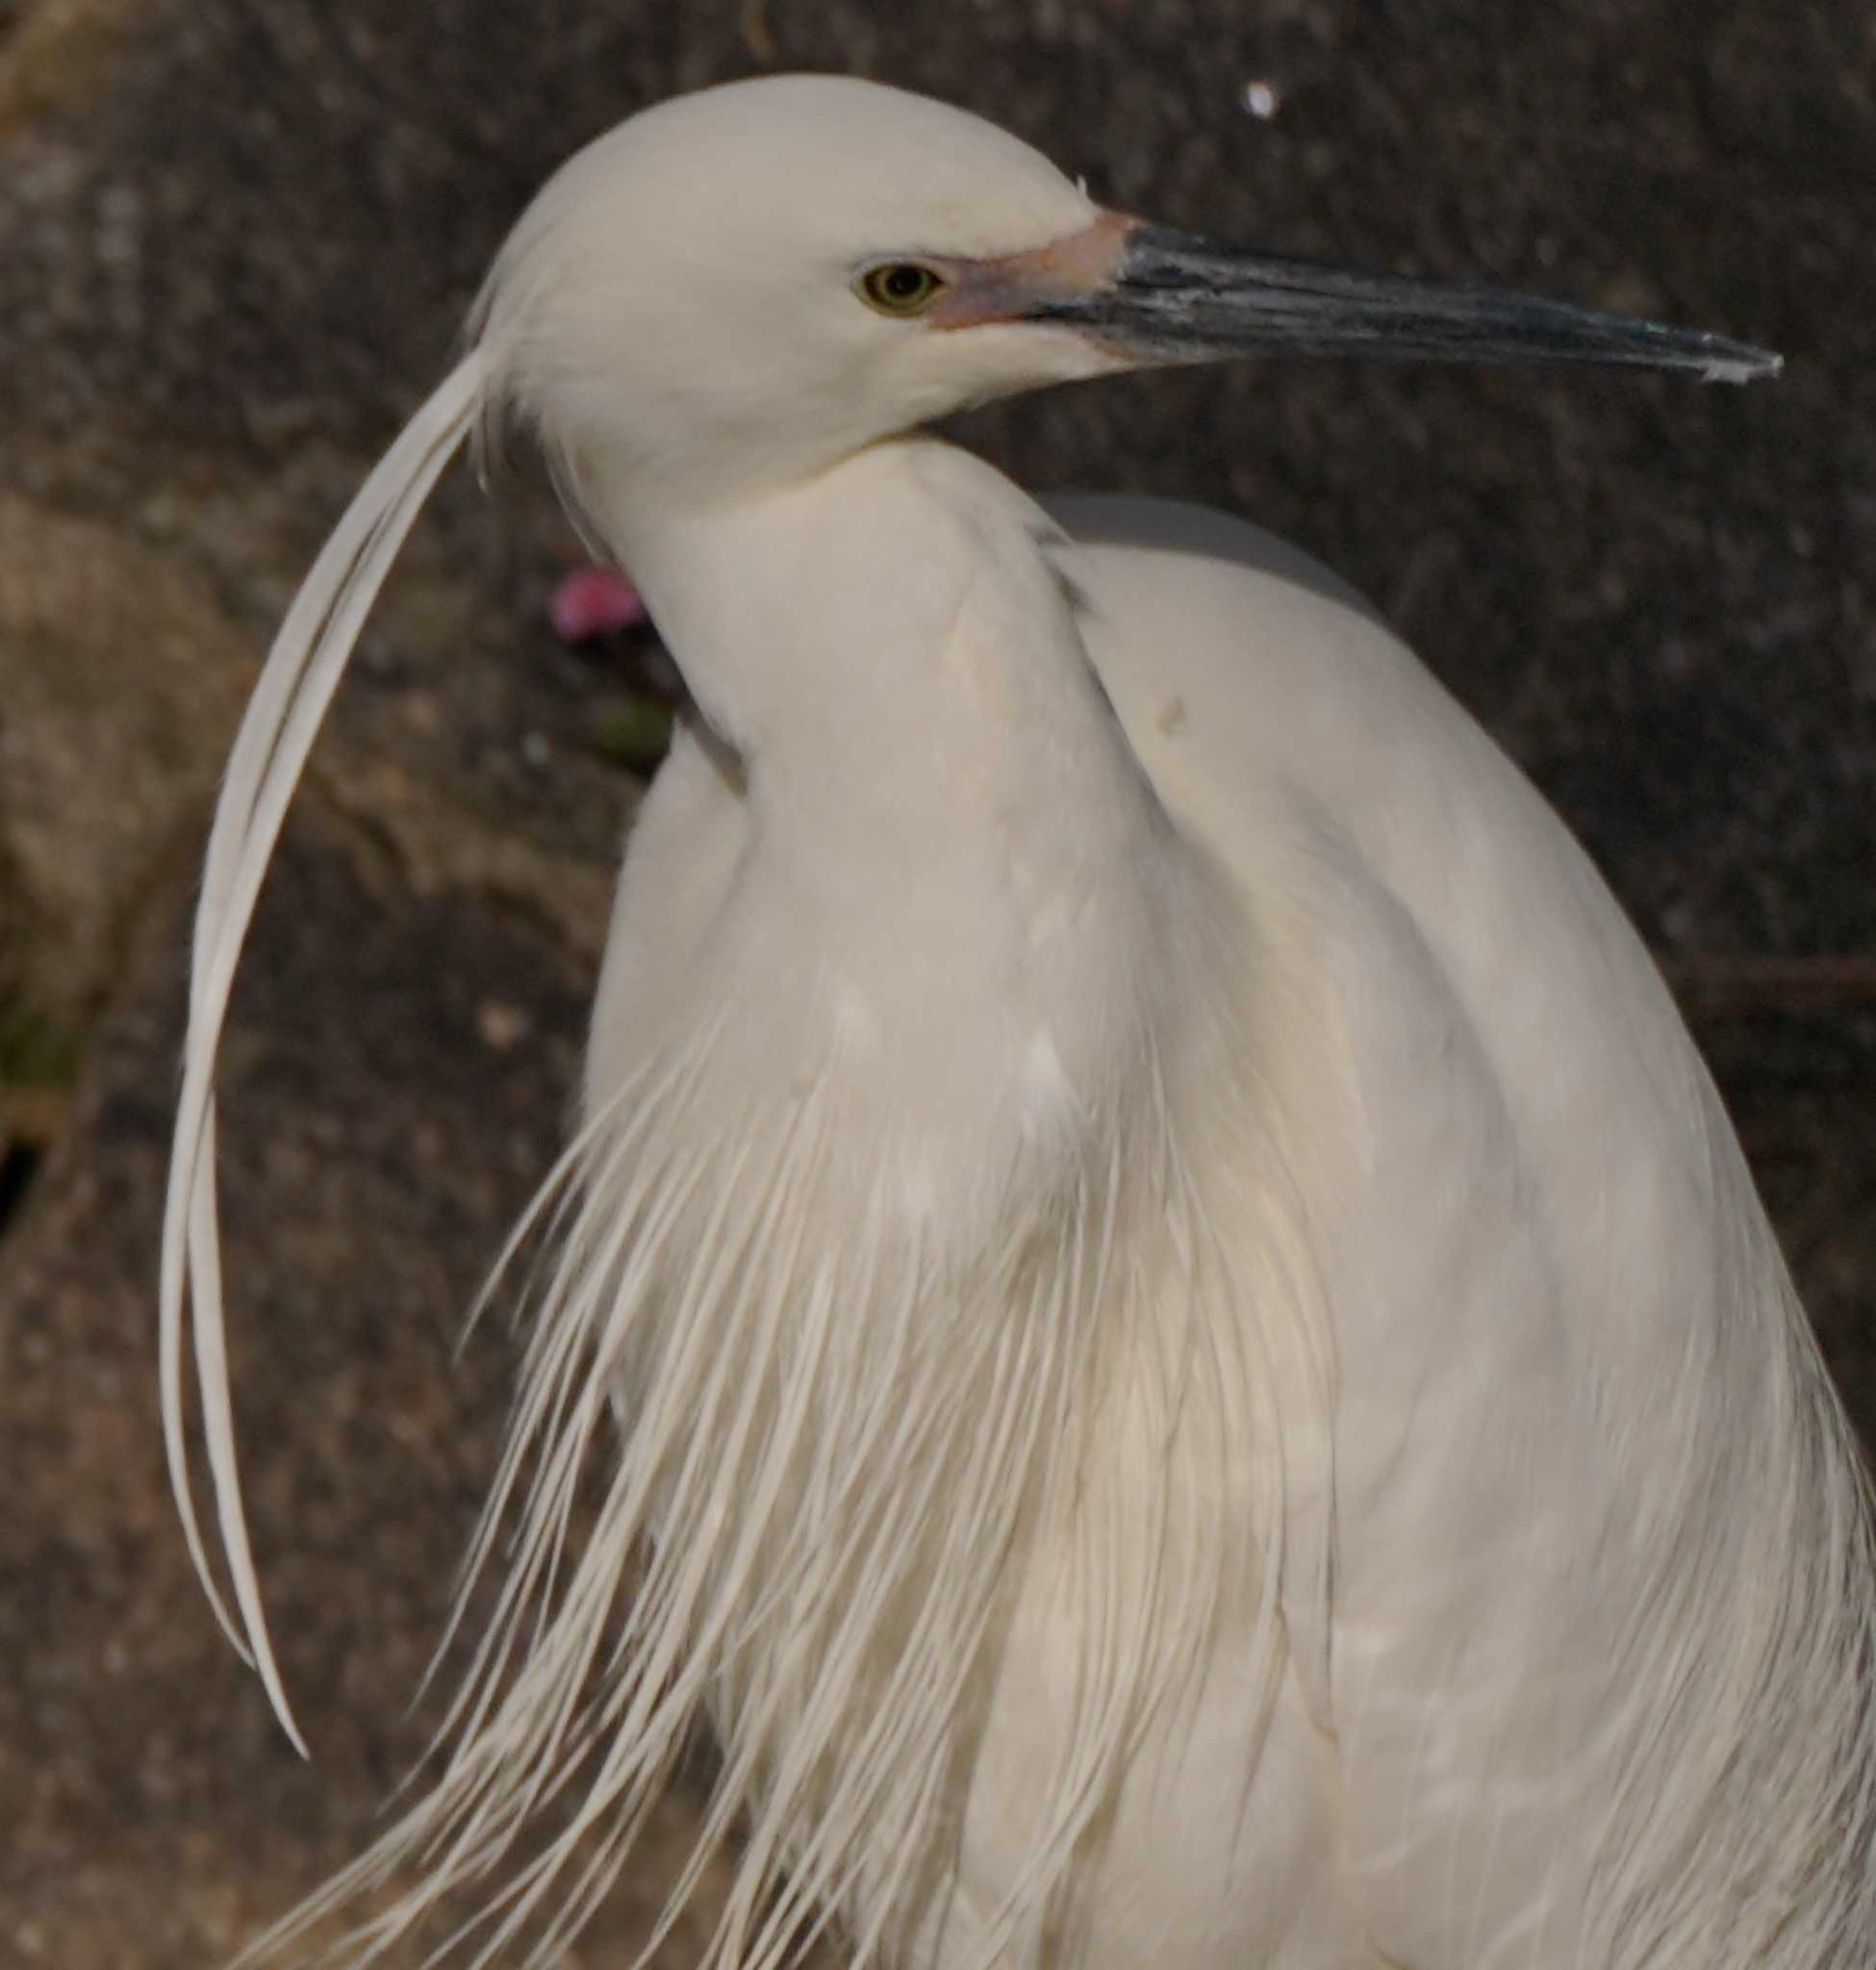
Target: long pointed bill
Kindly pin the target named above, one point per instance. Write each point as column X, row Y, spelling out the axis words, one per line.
column 1162, row 297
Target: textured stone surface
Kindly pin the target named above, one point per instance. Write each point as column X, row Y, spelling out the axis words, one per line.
column 124, row 683
column 239, row 235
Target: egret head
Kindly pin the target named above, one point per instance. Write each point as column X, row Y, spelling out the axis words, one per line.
column 749, row 282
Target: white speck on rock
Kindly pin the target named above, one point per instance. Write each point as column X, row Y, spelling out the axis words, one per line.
column 1262, row 98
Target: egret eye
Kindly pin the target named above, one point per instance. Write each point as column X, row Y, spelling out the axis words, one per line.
column 901, row 286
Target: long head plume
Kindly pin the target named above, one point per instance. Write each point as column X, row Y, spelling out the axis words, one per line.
column 297, row 682
column 283, row 718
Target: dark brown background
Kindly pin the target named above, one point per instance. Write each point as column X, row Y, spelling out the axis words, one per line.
column 236, row 237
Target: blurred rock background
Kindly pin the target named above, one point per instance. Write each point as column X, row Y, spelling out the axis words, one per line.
column 236, row 238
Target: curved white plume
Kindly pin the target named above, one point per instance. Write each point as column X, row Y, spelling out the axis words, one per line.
column 302, row 671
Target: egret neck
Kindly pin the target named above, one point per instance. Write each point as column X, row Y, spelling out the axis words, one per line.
column 892, row 653
column 951, row 843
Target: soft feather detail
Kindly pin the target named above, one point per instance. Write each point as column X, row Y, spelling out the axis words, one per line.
column 1742, row 1830
column 847, row 1453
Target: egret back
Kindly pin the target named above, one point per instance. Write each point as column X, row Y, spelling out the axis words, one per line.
column 1601, row 1534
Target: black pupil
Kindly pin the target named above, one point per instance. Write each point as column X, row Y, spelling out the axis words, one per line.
column 905, row 283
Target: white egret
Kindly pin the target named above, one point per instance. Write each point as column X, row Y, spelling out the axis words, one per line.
column 1200, row 1378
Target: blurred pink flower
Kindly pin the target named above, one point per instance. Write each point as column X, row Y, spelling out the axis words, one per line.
column 593, row 602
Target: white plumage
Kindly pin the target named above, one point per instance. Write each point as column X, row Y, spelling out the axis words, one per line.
column 1201, row 1382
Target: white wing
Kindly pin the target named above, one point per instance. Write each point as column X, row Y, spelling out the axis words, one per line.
column 1601, row 1548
